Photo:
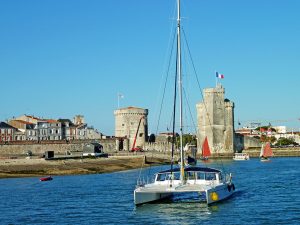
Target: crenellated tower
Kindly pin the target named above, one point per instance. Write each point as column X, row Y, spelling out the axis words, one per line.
column 215, row 117
column 129, row 122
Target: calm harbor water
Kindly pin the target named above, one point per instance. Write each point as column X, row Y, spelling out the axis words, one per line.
column 266, row 193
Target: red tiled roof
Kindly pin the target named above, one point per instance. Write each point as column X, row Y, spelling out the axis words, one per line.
column 52, row 121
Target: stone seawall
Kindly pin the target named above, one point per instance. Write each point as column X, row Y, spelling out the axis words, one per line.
column 280, row 152
column 109, row 146
column 38, row 149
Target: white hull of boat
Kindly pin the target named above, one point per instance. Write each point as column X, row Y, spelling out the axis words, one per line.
column 240, row 159
column 264, row 159
column 141, row 197
column 241, row 156
column 218, row 193
column 204, row 158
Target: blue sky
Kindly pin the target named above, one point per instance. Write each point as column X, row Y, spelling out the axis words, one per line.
column 60, row 58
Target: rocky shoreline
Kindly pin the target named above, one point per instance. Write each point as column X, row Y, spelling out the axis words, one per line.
column 30, row 167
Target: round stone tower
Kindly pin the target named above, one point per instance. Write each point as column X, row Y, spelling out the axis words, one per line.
column 131, row 122
column 215, row 120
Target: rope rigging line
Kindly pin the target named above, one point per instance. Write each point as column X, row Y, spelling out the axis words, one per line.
column 200, row 89
column 163, row 97
column 174, row 112
column 189, row 109
column 172, row 34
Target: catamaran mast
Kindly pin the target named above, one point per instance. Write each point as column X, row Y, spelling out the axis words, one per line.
column 182, row 178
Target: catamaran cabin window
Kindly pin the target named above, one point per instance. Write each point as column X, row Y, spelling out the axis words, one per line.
column 220, row 176
column 200, row 176
column 176, row 176
column 161, row 177
column 170, row 176
column 191, row 175
column 210, row 176
column 167, row 176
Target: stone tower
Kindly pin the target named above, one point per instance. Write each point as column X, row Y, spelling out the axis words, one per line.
column 215, row 117
column 127, row 122
column 78, row 119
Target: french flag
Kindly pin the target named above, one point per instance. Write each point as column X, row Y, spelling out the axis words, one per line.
column 220, row 76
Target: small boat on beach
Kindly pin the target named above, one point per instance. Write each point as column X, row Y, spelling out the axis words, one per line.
column 46, row 178
column 241, row 156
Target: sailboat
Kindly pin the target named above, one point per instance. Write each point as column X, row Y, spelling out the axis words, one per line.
column 205, row 150
column 211, row 183
column 265, row 152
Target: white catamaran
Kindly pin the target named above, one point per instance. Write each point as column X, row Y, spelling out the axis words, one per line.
column 209, row 182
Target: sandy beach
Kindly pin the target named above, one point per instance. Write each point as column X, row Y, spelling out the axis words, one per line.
column 22, row 167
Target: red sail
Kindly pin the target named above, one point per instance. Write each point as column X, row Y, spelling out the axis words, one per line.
column 267, row 150
column 205, row 148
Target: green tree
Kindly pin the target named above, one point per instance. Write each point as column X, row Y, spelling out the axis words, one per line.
column 187, row 139
column 285, row 141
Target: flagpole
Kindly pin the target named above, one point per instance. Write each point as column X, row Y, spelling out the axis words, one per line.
column 216, row 78
column 119, row 96
column 118, row 100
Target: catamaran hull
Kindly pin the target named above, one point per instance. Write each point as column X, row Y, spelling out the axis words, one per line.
column 141, row 197
column 219, row 193
column 213, row 195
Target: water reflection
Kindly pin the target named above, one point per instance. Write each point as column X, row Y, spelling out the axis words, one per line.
column 176, row 212
column 179, row 210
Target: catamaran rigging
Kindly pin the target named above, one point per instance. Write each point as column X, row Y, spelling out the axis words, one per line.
column 203, row 180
